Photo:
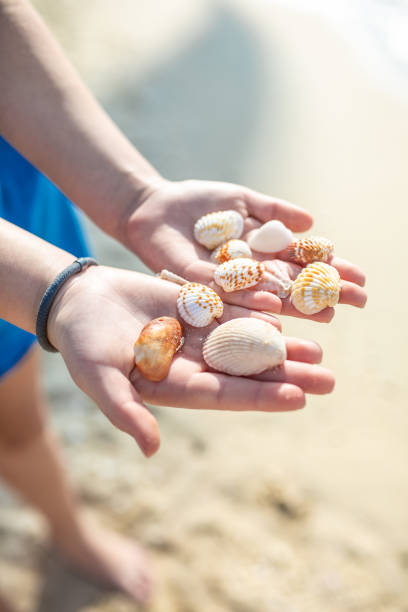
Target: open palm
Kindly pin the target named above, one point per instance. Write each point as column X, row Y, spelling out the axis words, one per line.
column 160, row 232
column 97, row 318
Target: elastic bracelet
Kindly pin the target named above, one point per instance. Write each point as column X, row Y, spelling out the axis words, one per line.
column 49, row 296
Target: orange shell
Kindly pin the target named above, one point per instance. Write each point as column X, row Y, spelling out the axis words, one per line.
column 156, row 346
column 316, row 287
column 307, row 250
column 231, row 250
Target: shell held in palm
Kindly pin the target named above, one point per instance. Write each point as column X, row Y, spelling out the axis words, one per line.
column 217, row 227
column 199, row 305
column 238, row 274
column 156, row 346
column 271, row 237
column 316, row 287
column 244, row 347
column 307, row 250
column 232, row 249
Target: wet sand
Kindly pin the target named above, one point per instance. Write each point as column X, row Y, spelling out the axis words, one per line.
column 251, row 512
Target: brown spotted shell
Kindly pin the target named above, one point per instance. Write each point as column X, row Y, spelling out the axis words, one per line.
column 316, row 287
column 307, row 250
column 239, row 274
column 156, row 346
column 199, row 305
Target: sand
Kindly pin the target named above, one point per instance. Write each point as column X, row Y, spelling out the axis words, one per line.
column 251, row 512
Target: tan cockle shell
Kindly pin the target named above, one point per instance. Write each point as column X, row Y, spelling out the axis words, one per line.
column 239, row 274
column 244, row 347
column 156, row 346
column 217, row 227
column 316, row 287
column 307, row 250
column 231, row 250
column 198, row 304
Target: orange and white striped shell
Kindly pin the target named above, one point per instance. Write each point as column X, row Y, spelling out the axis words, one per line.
column 217, row 227
column 316, row 287
column 240, row 273
column 231, row 250
column 307, row 250
column 199, row 305
column 244, row 346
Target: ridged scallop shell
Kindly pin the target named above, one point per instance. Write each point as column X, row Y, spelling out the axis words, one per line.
column 239, row 274
column 215, row 228
column 307, row 250
column 231, row 250
column 244, row 346
column 271, row 237
column 156, row 346
column 317, row 286
column 198, row 304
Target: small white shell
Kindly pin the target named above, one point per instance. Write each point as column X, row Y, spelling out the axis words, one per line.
column 215, row 228
column 276, row 278
column 244, row 346
column 198, row 304
column 231, row 250
column 239, row 274
column 271, row 237
column 316, row 287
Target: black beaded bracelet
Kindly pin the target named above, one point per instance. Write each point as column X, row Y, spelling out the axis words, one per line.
column 49, row 296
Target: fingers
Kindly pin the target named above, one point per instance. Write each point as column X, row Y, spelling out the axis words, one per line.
column 310, row 378
column 214, row 391
column 235, row 312
column 352, row 294
column 264, row 208
column 299, row 349
column 347, row 270
column 324, row 316
column 120, row 402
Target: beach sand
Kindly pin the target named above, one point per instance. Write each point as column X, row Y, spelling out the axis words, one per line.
column 302, row 512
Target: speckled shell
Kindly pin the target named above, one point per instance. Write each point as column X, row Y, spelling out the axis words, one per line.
column 244, row 346
column 271, row 237
column 215, row 228
column 156, row 346
column 307, row 250
column 199, row 305
column 317, row 286
column 231, row 250
column 239, row 274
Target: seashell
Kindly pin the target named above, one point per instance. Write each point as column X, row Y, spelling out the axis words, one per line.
column 271, row 237
column 171, row 277
column 244, row 346
column 317, row 286
column 276, row 278
column 217, row 227
column 156, row 346
column 231, row 250
column 198, row 304
column 239, row 274
column 307, row 250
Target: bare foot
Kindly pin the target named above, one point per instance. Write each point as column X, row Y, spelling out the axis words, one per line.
column 109, row 558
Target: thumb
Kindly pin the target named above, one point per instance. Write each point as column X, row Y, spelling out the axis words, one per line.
column 121, row 403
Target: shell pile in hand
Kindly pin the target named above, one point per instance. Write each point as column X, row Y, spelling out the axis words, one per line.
column 271, row 237
column 317, row 286
column 239, row 274
column 231, row 250
column 156, row 346
column 244, row 346
column 198, row 304
column 307, row 250
column 217, row 227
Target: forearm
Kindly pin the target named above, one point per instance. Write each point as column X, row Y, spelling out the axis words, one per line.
column 48, row 114
column 27, row 266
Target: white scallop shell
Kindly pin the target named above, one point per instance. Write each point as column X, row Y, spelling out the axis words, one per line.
column 271, row 237
column 198, row 304
column 217, row 227
column 237, row 274
column 316, row 287
column 244, row 346
column 231, row 250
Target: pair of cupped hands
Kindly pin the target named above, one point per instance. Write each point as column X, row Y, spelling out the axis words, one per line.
column 98, row 314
